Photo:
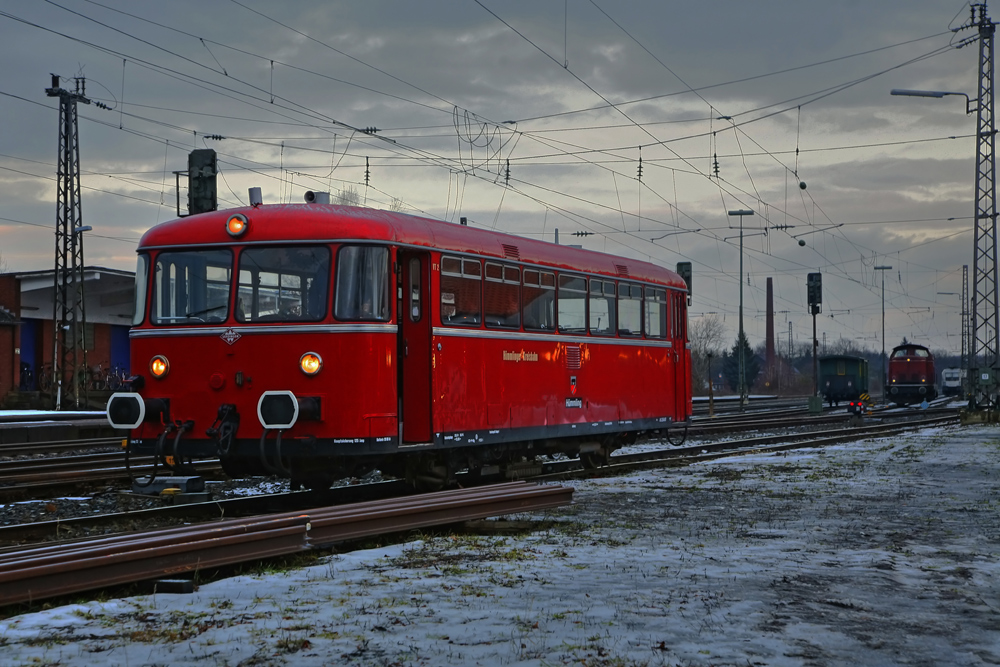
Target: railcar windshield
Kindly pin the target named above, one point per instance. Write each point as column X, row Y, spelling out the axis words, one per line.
column 191, row 287
column 911, row 352
column 363, row 284
column 283, row 284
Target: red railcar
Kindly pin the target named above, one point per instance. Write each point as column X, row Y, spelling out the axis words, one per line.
column 911, row 374
column 317, row 341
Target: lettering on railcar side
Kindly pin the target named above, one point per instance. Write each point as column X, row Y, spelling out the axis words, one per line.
column 516, row 356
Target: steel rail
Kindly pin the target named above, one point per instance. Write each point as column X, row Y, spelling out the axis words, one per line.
column 302, row 500
column 60, row 569
column 56, row 446
column 765, row 444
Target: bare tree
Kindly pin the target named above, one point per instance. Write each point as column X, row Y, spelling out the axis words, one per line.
column 396, row 205
column 349, row 196
column 707, row 335
column 3, row 264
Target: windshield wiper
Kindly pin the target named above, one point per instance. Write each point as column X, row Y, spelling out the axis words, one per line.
column 203, row 311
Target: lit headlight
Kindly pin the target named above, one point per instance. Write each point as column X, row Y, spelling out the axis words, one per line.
column 310, row 363
column 237, row 224
column 159, row 366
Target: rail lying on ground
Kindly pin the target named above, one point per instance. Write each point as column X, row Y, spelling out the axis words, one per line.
column 61, row 569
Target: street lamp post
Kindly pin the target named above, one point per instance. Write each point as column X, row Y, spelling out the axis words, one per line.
column 711, row 392
column 741, row 382
column 883, row 269
column 932, row 93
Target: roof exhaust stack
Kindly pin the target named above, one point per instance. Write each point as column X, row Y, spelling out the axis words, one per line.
column 317, row 197
column 255, row 197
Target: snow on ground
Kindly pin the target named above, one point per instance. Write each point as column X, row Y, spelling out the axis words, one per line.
column 882, row 552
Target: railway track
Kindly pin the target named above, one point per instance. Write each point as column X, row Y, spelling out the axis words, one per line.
column 75, row 565
column 552, row 470
column 36, row 476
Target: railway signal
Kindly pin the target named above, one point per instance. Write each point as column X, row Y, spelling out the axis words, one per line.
column 814, row 293
column 814, row 287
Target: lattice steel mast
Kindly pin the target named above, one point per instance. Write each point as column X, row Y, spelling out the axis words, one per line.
column 69, row 353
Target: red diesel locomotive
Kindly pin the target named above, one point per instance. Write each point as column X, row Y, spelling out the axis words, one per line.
column 317, row 341
column 911, row 374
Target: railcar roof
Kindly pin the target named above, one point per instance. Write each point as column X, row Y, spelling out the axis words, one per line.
column 329, row 222
column 838, row 357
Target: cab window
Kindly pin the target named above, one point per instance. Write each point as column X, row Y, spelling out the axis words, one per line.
column 362, row 284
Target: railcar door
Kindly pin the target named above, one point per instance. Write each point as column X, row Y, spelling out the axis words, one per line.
column 415, row 347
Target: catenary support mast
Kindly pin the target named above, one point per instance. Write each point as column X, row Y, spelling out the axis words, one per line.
column 984, row 363
column 69, row 356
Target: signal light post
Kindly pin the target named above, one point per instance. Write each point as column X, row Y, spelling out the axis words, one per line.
column 883, row 269
column 814, row 294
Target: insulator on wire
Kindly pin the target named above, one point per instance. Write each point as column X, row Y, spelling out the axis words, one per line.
column 367, row 172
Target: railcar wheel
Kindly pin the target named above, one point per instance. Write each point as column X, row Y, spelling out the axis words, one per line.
column 242, row 467
column 593, row 460
column 426, row 474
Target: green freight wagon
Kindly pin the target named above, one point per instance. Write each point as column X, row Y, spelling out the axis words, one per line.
column 842, row 378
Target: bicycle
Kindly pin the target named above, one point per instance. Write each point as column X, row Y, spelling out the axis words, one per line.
column 45, row 377
column 116, row 378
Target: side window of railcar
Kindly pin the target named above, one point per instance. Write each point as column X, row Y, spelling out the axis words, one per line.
column 676, row 314
column 283, row 284
column 191, row 287
column 602, row 307
column 682, row 315
column 656, row 312
column 539, row 300
column 502, row 296
column 629, row 310
column 572, row 304
column 461, row 287
column 141, row 281
column 362, row 284
column 415, row 308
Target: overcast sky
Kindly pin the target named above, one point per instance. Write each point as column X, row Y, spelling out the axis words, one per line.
column 570, row 93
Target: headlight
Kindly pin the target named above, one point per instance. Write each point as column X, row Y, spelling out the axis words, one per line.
column 310, row 363
column 159, row 366
column 237, row 224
